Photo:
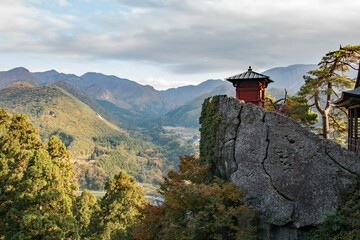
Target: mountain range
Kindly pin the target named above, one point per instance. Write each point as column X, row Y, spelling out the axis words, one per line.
column 130, row 104
column 290, row 77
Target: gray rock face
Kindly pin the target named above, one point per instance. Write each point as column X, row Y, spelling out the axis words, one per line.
column 292, row 176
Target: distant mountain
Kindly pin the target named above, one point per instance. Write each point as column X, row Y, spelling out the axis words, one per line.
column 124, row 93
column 188, row 115
column 55, row 111
column 290, row 77
column 87, row 100
column 125, row 101
column 19, row 74
column 176, row 97
column 128, row 103
column 52, row 76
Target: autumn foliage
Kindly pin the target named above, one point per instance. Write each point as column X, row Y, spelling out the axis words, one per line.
column 196, row 208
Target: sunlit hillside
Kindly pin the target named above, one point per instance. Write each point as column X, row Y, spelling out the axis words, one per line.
column 55, row 111
column 99, row 148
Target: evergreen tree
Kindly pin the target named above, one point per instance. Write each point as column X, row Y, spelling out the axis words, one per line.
column 322, row 85
column 4, row 120
column 120, row 208
column 42, row 209
column 18, row 141
column 295, row 107
column 87, row 206
column 298, row 109
column 60, row 156
column 37, row 191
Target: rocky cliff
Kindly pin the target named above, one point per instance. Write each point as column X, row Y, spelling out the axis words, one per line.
column 293, row 177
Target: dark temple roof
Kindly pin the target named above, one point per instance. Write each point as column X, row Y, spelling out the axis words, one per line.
column 349, row 98
column 352, row 97
column 357, row 84
column 250, row 74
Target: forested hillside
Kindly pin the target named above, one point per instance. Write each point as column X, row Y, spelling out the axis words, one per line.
column 99, row 148
column 56, row 112
column 38, row 197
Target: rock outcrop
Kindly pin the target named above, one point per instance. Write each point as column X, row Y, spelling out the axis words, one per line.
column 292, row 176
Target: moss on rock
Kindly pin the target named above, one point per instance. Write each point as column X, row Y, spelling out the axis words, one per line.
column 209, row 120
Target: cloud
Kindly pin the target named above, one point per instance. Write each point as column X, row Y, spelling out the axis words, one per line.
column 184, row 36
column 63, row 3
column 27, row 28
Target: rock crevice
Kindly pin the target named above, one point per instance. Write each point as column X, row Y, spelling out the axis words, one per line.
column 266, row 172
column 337, row 163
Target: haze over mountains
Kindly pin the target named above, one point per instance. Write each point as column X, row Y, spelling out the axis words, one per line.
column 289, row 77
column 131, row 103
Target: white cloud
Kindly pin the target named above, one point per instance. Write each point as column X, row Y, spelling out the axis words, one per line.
column 162, row 83
column 63, row 3
column 183, row 36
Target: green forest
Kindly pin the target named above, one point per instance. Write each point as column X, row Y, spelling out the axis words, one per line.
column 38, row 197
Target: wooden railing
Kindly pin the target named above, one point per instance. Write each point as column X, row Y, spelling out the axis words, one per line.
column 354, row 144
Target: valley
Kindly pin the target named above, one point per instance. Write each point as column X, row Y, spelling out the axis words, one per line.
column 110, row 123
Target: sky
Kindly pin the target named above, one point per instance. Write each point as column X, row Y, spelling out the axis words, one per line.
column 171, row 43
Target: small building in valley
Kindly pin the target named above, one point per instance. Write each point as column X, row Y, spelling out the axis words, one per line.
column 250, row 86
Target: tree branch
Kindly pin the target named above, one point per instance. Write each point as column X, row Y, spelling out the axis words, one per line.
column 337, row 123
column 284, row 103
column 343, row 110
column 317, row 105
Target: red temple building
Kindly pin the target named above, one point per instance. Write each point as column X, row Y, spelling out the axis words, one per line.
column 250, row 86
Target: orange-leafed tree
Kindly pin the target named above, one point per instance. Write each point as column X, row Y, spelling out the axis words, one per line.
column 198, row 208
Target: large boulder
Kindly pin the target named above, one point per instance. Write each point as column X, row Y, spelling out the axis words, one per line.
column 292, row 176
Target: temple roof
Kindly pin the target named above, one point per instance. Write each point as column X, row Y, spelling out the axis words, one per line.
column 250, row 74
column 349, row 98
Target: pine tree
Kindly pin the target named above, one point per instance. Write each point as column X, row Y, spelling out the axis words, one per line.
column 42, row 209
column 18, row 141
column 322, row 85
column 37, row 189
column 86, row 207
column 120, row 208
column 295, row 107
column 60, row 156
column 4, row 120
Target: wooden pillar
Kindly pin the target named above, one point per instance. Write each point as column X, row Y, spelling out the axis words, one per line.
column 351, row 129
column 355, row 129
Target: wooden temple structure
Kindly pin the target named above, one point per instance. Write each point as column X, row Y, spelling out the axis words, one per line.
column 250, row 86
column 351, row 101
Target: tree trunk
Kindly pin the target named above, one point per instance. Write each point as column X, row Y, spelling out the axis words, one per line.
column 325, row 116
column 325, row 126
